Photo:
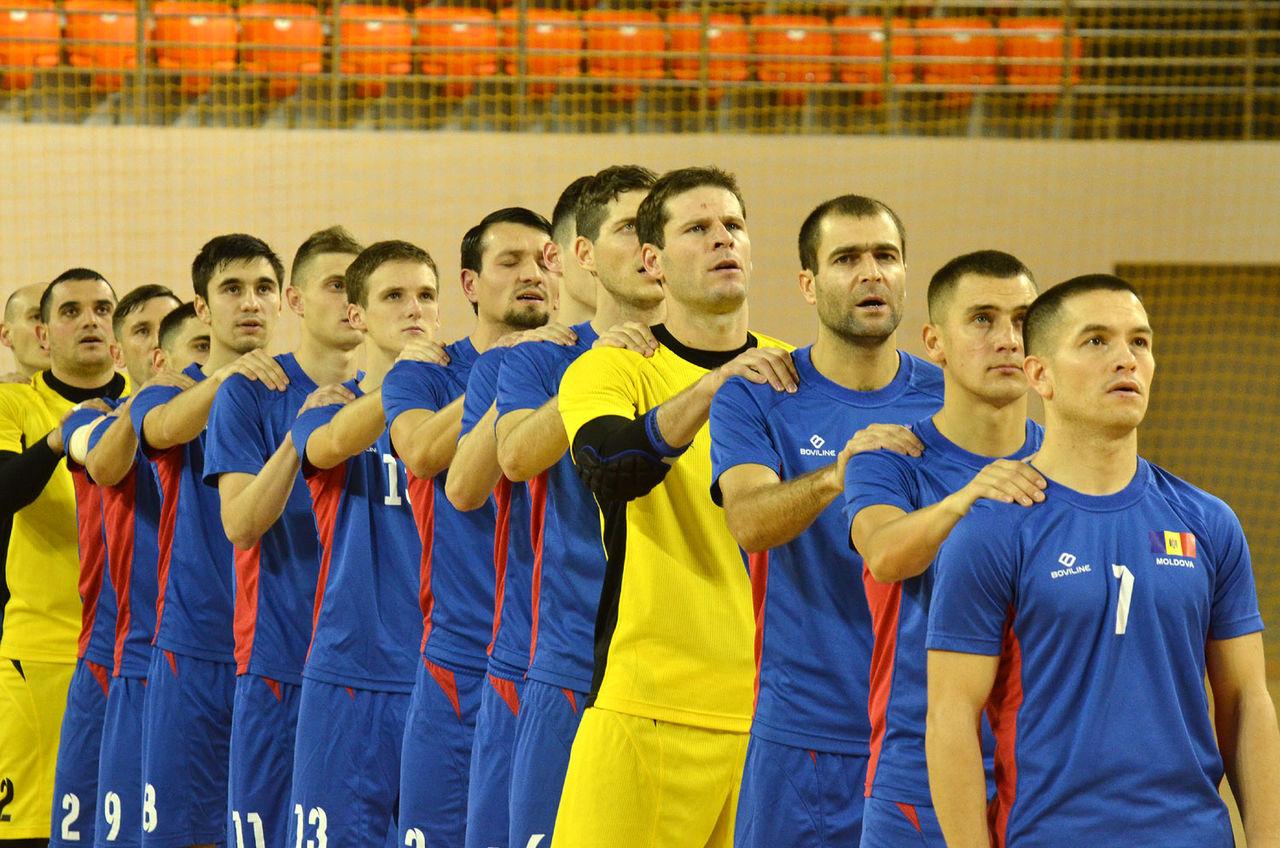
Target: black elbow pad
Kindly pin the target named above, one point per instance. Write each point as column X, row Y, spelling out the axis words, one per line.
column 621, row 477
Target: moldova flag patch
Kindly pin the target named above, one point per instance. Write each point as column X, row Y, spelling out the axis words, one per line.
column 1169, row 543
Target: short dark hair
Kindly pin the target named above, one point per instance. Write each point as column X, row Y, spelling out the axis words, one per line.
column 652, row 216
column 335, row 239
column 850, row 206
column 473, row 240
column 564, row 216
column 172, row 323
column 986, row 263
column 606, row 187
column 67, row 276
column 135, row 300
column 221, row 251
column 374, row 257
column 1043, row 316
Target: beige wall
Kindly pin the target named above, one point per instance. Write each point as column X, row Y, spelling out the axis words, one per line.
column 136, row 203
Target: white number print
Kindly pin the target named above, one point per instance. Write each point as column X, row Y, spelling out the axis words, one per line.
column 149, row 809
column 1125, row 576
column 255, row 821
column 415, row 838
column 111, row 814
column 393, row 484
column 317, row 819
column 70, row 803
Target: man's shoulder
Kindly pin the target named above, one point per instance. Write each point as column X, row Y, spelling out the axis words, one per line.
column 763, row 340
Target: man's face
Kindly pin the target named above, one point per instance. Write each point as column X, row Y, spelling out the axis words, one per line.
column 78, row 334
column 706, row 261
column 860, row 286
column 979, row 339
column 576, row 283
column 617, row 256
column 514, row 287
column 243, row 305
column 1099, row 363
column 140, row 336
column 18, row 331
column 318, row 295
column 403, row 305
column 189, row 344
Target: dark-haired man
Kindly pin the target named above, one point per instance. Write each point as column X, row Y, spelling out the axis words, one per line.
column 42, row 619
column 658, row 755
column 1086, row 624
column 191, row 679
column 360, row 667
column 267, row 515
column 901, row 506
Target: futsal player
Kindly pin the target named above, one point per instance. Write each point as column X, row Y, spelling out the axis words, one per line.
column 1086, row 623
column 360, row 667
column 191, row 678
column 18, row 332
column 658, row 755
column 42, row 621
column 267, row 514
column 901, row 506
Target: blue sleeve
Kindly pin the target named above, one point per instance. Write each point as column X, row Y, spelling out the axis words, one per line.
column 879, row 477
column 237, row 440
column 530, row 375
column 973, row 588
column 1235, row 595
column 415, row 385
column 739, row 432
column 147, row 400
column 482, row 387
column 77, row 419
column 307, row 423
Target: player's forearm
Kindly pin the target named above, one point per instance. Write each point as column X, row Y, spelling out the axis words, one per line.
column 904, row 547
column 182, row 418
column 355, row 427
column 475, row 470
column 115, row 453
column 23, row 475
column 956, row 779
column 427, row 440
column 1250, row 744
column 681, row 417
column 251, row 511
column 533, row 443
column 774, row 514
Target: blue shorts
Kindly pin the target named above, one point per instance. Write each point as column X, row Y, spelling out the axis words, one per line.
column 75, row 779
column 435, row 760
column 891, row 824
column 548, row 721
column 346, row 766
column 186, row 742
column 797, row 797
column 261, row 768
column 120, row 766
column 489, row 802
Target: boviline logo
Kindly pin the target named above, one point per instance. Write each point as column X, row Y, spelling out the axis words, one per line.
column 817, row 442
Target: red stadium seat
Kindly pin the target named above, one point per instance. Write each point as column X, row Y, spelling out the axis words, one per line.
column 953, row 39
column 194, row 36
column 28, row 39
column 374, row 40
column 554, row 43
column 625, row 45
column 281, row 38
column 1033, row 48
column 793, row 48
column 861, row 39
column 457, row 42
column 114, row 26
column 728, row 48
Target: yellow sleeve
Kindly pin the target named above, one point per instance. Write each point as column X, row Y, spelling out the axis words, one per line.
column 14, row 398
column 600, row 382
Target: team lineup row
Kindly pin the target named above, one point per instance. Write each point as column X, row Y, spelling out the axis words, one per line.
column 612, row 568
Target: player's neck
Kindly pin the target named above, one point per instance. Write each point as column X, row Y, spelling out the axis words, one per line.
column 574, row 312
column 488, row 332
column 610, row 312
column 376, row 365
column 862, row 368
column 706, row 330
column 220, row 355
column 981, row 427
column 1089, row 462
column 88, row 378
column 323, row 363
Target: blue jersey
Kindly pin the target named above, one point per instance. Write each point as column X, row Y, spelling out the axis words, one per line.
column 513, row 536
column 194, row 609
column 568, row 567
column 455, row 583
column 365, row 631
column 813, row 628
column 1099, row 608
column 97, row 596
column 900, row 611
column 276, row 578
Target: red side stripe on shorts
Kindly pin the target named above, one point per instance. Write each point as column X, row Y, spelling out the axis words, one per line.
column 537, row 524
column 1002, row 711
column 506, row 689
column 758, row 568
column 173, row 661
column 445, row 680
column 909, row 811
column 274, row 686
column 573, row 699
column 885, row 602
column 100, row 673
column 351, row 693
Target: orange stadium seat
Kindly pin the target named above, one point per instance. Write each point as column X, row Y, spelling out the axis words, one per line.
column 625, row 45
column 953, row 39
column 1041, row 41
column 281, row 38
column 554, row 42
column 375, row 40
column 114, row 26
column 793, row 48
column 457, row 42
column 194, row 36
column 28, row 39
column 728, row 48
column 861, row 39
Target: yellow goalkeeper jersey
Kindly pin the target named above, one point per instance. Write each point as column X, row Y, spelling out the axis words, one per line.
column 677, row 593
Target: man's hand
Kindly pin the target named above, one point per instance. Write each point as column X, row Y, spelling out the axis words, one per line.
column 169, row 377
column 334, row 393
column 558, row 333
column 1006, row 480
column 256, row 365
column 632, row 336
column 54, row 439
column 424, row 350
column 892, row 437
column 770, row 365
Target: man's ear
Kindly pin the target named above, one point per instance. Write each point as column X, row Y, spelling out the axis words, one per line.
column 933, row 347
column 652, row 259
column 1039, row 376
column 470, row 281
